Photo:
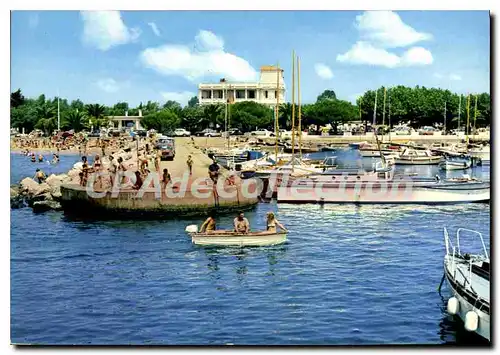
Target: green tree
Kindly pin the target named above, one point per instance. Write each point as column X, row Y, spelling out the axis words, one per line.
column 75, row 120
column 213, row 115
column 327, row 95
column 193, row 101
column 16, row 99
column 161, row 121
column 247, row 115
column 193, row 118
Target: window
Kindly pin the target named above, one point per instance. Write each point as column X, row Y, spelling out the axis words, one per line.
column 206, row 94
column 275, row 93
column 240, row 94
column 265, row 94
column 251, row 94
column 218, row 94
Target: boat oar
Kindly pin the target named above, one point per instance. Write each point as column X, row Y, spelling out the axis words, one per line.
column 441, row 283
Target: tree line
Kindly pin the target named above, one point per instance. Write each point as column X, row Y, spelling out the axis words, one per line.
column 420, row 106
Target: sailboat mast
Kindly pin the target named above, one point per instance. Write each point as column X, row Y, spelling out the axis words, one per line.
column 58, row 114
column 375, row 110
column 293, row 109
column 277, row 111
column 225, row 114
column 468, row 113
column 444, row 125
column 475, row 115
column 459, row 110
column 383, row 113
column 389, row 113
column 300, row 113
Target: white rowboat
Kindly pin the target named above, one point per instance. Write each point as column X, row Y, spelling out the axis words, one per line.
column 231, row 238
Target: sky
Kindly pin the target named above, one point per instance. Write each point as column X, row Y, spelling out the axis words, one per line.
column 134, row 56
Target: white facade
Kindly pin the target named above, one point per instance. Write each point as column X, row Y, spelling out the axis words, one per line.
column 264, row 91
column 124, row 121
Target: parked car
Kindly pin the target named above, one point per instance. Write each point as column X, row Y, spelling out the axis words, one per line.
column 211, row 133
column 208, row 132
column 94, row 134
column 141, row 133
column 181, row 132
column 167, row 147
column 427, row 131
column 261, row 133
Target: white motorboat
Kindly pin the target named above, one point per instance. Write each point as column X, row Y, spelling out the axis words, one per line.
column 481, row 152
column 411, row 156
column 468, row 277
column 449, row 163
column 380, row 186
column 369, row 150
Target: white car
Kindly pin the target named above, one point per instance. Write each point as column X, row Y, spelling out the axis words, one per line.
column 261, row 133
column 181, row 132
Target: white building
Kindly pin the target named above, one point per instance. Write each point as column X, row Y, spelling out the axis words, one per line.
column 264, row 91
column 126, row 121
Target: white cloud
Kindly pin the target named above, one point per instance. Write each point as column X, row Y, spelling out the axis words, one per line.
column 455, row 77
column 323, row 71
column 105, row 29
column 417, row 56
column 33, row 20
column 209, row 61
column 154, row 28
column 108, row 85
column 365, row 53
column 181, row 97
column 386, row 29
column 206, row 40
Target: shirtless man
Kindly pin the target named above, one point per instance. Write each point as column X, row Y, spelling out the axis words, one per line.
column 241, row 224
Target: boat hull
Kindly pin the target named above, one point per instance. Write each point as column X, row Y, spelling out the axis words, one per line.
column 424, row 161
column 238, row 240
column 454, row 165
column 468, row 302
column 383, row 192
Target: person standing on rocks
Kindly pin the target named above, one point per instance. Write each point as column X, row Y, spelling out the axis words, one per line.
column 40, row 176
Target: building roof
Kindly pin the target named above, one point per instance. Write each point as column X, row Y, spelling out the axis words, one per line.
column 269, row 68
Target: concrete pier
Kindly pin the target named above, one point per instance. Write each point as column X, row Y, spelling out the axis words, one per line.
column 186, row 195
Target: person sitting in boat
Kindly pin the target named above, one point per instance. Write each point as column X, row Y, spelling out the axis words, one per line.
column 272, row 222
column 213, row 171
column 209, row 225
column 241, row 224
column 40, row 176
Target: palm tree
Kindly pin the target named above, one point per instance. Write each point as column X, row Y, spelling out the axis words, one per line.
column 75, row 120
column 285, row 115
column 95, row 113
column 212, row 113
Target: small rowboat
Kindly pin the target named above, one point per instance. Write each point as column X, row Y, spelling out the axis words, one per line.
column 230, row 238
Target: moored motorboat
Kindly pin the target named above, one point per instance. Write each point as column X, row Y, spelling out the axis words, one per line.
column 231, row 238
column 449, row 163
column 380, row 186
column 468, row 277
column 411, row 156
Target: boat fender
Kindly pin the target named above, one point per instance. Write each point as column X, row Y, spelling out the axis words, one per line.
column 471, row 321
column 193, row 228
column 453, row 306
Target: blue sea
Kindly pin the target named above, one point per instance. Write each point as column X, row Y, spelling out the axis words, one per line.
column 349, row 275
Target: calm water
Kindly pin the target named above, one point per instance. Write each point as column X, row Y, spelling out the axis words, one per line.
column 348, row 275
